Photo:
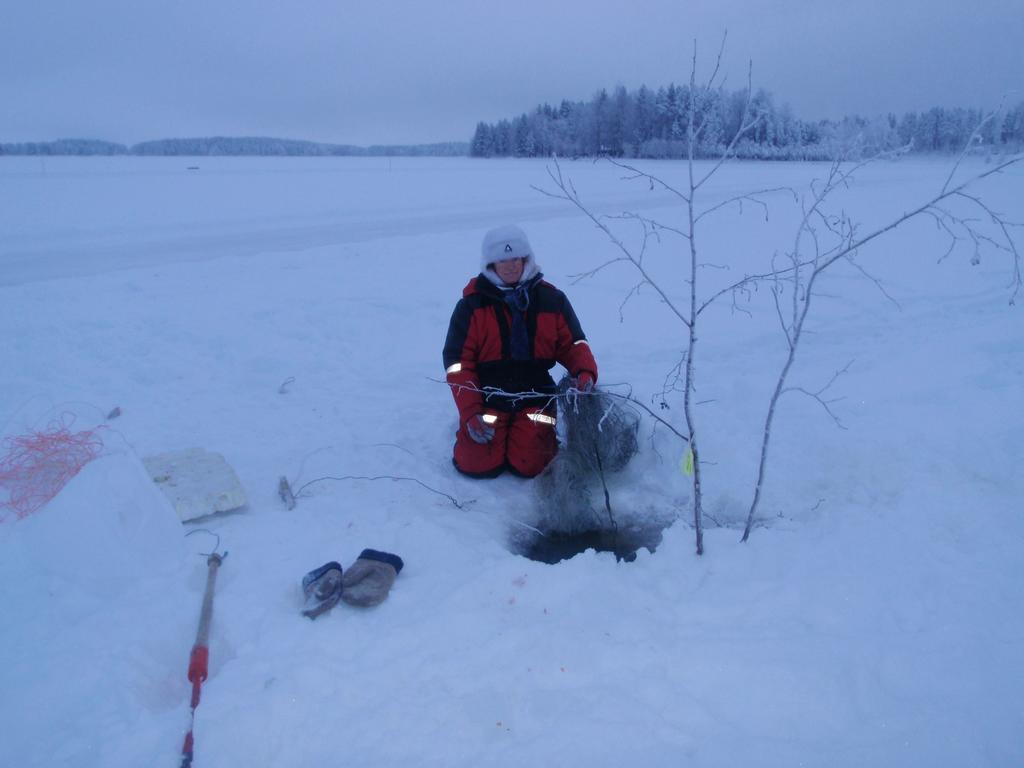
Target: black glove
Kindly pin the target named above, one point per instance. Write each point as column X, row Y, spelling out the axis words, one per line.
column 368, row 580
column 322, row 588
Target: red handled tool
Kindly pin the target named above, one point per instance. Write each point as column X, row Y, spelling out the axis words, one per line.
column 199, row 660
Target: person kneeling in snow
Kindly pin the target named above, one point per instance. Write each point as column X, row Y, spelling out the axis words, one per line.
column 506, row 333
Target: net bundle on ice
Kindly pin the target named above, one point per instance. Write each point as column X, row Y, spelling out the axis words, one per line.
column 598, row 437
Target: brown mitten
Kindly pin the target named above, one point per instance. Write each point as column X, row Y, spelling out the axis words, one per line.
column 367, row 582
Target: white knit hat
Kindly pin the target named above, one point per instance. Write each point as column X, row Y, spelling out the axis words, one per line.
column 503, row 243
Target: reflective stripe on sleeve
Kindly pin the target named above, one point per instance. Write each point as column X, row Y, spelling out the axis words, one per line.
column 581, row 341
column 489, row 418
column 543, row 418
column 453, row 368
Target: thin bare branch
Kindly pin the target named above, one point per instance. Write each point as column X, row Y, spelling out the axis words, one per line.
column 770, row 416
column 778, row 311
column 836, row 176
column 634, row 291
column 583, row 275
column 552, row 398
column 940, row 219
column 651, row 413
column 817, row 395
column 672, row 379
column 878, row 283
column 735, row 307
column 744, row 127
column 976, row 133
column 718, row 62
column 821, row 401
column 852, row 243
column 859, row 243
column 749, row 197
column 570, row 194
column 689, row 386
column 651, row 178
column 747, row 280
column 655, row 226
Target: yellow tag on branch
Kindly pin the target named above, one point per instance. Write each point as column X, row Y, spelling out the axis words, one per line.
column 687, row 463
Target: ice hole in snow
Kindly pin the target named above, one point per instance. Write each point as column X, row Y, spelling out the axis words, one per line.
column 572, row 497
column 555, row 546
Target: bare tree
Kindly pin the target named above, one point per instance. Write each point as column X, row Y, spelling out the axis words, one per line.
column 843, row 242
column 688, row 313
column 801, row 272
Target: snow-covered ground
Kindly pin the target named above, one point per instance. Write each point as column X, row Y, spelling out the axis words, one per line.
column 875, row 618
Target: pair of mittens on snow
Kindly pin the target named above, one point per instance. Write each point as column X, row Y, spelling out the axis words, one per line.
column 365, row 584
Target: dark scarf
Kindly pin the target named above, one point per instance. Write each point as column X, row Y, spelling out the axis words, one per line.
column 518, row 300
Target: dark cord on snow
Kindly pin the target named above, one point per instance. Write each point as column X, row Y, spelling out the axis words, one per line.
column 452, row 499
column 216, row 546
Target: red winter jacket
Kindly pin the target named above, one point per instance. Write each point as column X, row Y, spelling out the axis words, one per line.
column 477, row 352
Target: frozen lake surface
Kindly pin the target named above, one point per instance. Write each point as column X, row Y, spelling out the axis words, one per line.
column 875, row 617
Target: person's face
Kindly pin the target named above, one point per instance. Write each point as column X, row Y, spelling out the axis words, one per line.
column 510, row 270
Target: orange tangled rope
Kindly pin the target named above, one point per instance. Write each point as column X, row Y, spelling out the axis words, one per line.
column 36, row 466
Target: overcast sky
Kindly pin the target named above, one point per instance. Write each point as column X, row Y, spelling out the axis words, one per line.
column 408, row 71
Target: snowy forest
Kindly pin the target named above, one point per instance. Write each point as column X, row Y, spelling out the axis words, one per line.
column 232, row 146
column 641, row 123
column 654, row 124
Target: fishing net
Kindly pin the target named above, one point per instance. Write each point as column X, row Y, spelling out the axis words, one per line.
column 34, row 467
column 598, row 437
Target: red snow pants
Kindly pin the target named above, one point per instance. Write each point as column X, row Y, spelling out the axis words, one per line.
column 524, row 442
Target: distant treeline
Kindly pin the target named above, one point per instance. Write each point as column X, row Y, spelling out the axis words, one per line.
column 221, row 145
column 654, row 124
